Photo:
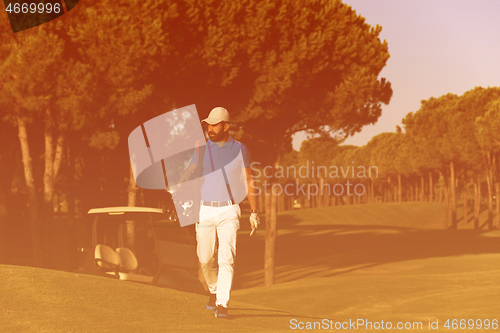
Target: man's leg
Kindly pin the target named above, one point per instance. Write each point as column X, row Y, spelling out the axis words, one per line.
column 205, row 237
column 226, row 232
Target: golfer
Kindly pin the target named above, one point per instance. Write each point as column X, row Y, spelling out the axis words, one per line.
column 223, row 160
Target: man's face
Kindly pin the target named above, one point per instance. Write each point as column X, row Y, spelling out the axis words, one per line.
column 216, row 132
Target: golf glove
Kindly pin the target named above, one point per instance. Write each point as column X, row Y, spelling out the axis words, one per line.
column 254, row 220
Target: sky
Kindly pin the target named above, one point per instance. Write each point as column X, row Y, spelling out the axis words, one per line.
column 436, row 47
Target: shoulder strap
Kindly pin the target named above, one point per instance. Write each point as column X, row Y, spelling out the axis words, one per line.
column 211, row 159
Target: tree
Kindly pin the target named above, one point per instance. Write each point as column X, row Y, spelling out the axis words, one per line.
column 486, row 132
column 270, row 62
column 26, row 81
column 313, row 66
column 9, row 164
column 318, row 153
column 432, row 128
column 71, row 76
column 390, row 154
column 488, row 124
column 342, row 163
column 464, row 142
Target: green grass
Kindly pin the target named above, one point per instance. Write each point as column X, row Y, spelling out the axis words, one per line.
column 416, row 290
column 422, row 215
column 379, row 262
column 391, row 262
column 39, row 300
column 406, row 214
column 330, row 241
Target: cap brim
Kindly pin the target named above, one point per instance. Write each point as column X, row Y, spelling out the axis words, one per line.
column 212, row 121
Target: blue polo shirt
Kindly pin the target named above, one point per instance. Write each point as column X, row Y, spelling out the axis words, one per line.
column 232, row 156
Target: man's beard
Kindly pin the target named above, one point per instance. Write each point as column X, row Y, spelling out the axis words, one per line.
column 216, row 137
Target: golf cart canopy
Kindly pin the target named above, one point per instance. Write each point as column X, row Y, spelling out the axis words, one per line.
column 122, row 210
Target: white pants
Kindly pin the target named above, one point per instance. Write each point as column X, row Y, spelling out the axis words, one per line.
column 221, row 222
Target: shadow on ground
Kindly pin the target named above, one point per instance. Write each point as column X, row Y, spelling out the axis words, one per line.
column 310, row 251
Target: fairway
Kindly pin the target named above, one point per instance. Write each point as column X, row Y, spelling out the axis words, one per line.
column 39, row 300
column 390, row 262
column 386, row 262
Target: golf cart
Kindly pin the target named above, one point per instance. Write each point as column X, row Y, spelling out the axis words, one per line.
column 144, row 245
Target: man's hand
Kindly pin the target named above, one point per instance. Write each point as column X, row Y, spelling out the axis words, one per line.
column 173, row 188
column 254, row 222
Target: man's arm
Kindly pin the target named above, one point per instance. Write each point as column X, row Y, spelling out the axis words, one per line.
column 186, row 174
column 252, row 199
column 252, row 189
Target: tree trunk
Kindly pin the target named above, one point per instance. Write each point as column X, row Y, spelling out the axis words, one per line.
column 6, row 179
column 140, row 197
column 132, row 189
column 270, row 243
column 261, row 203
column 3, row 222
column 132, row 202
column 72, row 229
column 399, row 187
column 394, row 193
column 465, row 203
column 282, row 199
column 453, row 198
column 33, row 220
column 441, row 191
column 489, row 181
column 430, row 187
column 477, row 202
column 489, row 166
column 48, row 188
column 366, row 196
column 317, row 197
column 447, row 202
column 372, row 191
column 326, row 195
column 307, row 199
column 286, row 202
column 52, row 165
column 465, row 200
column 497, row 195
column 278, row 201
column 388, row 190
column 422, row 186
column 271, row 233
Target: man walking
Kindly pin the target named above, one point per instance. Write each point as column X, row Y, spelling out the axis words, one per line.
column 223, row 160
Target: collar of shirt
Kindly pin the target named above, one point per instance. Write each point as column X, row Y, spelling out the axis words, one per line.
column 229, row 143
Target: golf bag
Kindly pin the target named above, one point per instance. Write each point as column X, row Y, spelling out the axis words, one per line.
column 187, row 198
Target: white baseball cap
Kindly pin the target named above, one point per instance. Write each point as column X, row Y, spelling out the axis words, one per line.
column 217, row 115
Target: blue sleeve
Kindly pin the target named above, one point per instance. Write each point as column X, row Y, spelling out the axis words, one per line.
column 247, row 160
